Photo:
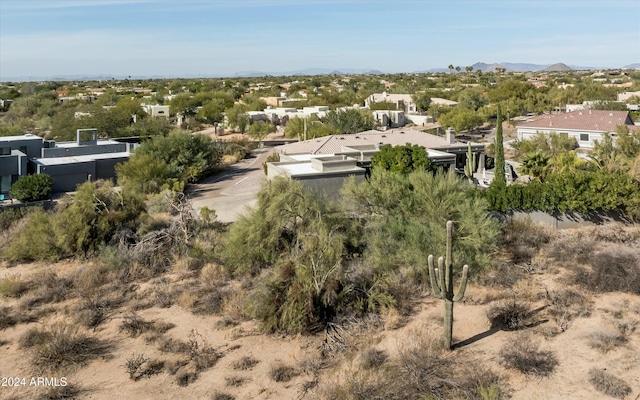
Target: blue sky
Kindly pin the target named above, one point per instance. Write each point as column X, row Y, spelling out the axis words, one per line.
column 174, row 38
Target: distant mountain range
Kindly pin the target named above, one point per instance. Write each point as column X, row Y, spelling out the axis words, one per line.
column 484, row 67
column 313, row 71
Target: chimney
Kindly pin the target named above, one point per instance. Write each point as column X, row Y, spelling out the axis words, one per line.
column 450, row 136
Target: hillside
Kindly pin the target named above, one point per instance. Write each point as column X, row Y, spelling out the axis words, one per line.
column 560, row 313
column 558, row 67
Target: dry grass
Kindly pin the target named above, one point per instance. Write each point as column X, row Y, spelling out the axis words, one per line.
column 245, row 363
column 62, row 346
column 613, row 269
column 67, row 392
column 372, row 358
column 221, row 396
column 608, row 383
column 421, row 369
column 280, row 372
column 7, row 318
column 13, row 286
column 604, row 342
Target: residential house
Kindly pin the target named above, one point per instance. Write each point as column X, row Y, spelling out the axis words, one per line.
column 324, row 163
column 402, row 102
column 68, row 163
column 586, row 126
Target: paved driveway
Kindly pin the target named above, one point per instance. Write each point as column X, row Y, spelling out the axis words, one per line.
column 233, row 190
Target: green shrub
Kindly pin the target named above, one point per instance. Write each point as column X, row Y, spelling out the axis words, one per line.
column 32, row 187
column 35, row 241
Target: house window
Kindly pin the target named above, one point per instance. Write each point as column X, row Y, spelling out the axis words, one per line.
column 584, row 137
column 5, row 183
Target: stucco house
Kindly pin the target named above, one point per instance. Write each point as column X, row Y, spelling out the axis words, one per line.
column 68, row 163
column 324, row 163
column 586, row 126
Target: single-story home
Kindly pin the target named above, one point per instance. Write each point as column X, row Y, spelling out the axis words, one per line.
column 586, row 126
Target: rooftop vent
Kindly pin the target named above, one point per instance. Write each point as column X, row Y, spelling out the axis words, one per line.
column 402, row 132
column 384, row 135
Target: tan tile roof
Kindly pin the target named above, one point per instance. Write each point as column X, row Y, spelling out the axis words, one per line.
column 585, row 120
column 395, row 137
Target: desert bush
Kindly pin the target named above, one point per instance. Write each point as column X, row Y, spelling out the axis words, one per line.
column 235, row 381
column 165, row 293
column 280, row 372
column 566, row 305
column 626, row 326
column 245, row 363
column 606, row 341
column 34, row 241
column 209, row 301
column 61, row 346
column 184, row 378
column 132, row 365
column 614, row 234
column 8, row 216
column 503, row 276
column 372, row 358
column 609, row 384
column 612, row 269
column 134, row 325
column 13, row 286
column 48, row 288
column 67, row 392
column 568, row 248
column 508, row 314
column 221, row 396
column 523, row 239
column 523, row 354
column 7, row 318
column 212, row 275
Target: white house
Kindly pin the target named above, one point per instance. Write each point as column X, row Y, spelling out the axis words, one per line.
column 586, row 126
column 402, row 102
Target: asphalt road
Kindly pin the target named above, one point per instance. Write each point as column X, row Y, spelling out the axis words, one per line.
column 234, row 189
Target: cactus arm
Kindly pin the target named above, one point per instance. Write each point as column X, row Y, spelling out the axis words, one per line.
column 433, row 277
column 463, row 284
column 440, row 274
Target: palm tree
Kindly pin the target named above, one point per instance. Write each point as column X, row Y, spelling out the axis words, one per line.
column 458, row 69
column 535, row 164
column 568, row 161
column 450, row 68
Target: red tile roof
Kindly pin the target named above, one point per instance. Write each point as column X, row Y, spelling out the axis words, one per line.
column 584, row 120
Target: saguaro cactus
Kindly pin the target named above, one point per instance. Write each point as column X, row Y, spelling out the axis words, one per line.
column 470, row 166
column 442, row 285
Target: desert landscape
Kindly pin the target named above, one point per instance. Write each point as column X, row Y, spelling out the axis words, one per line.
column 555, row 318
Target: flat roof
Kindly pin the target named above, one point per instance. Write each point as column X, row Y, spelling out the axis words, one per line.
column 80, row 159
column 28, row 136
column 305, row 168
column 102, row 142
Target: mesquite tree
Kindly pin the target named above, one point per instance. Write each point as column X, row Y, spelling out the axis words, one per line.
column 442, row 285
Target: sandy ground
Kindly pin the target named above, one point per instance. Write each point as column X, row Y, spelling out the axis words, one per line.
column 106, row 378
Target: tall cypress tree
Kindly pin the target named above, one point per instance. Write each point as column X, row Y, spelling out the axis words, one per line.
column 497, row 193
column 499, row 165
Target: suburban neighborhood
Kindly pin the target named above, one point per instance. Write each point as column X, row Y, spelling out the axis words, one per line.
column 319, row 200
